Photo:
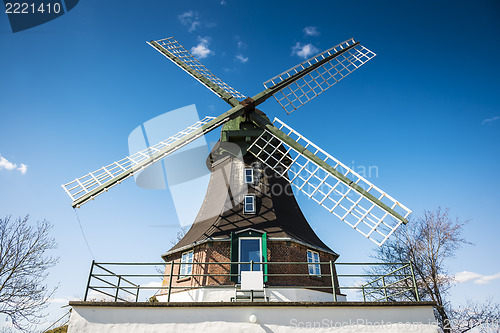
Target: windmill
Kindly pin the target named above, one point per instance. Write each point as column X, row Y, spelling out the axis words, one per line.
column 252, row 223
column 317, row 174
column 258, row 240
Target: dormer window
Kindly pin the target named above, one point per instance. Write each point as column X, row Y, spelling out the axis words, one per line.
column 248, row 176
column 249, row 204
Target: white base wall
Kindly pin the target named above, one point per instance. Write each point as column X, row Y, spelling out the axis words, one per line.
column 215, row 318
column 274, row 294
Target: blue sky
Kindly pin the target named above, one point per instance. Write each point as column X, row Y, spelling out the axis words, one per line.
column 425, row 112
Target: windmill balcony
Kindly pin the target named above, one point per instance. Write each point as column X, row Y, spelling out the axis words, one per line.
column 206, row 282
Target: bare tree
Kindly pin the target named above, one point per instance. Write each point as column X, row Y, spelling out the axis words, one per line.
column 483, row 317
column 180, row 234
column 24, row 265
column 427, row 243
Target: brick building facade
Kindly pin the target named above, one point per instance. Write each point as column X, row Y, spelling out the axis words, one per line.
column 282, row 274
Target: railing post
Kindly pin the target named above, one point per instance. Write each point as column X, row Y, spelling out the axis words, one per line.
column 414, row 282
column 251, row 270
column 170, row 280
column 385, row 288
column 333, row 282
column 137, row 295
column 118, row 287
column 88, row 282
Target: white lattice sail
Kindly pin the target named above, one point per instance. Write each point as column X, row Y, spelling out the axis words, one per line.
column 352, row 56
column 332, row 184
column 175, row 52
column 91, row 185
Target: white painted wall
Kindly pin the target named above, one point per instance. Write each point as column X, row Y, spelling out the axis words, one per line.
column 275, row 295
column 220, row 319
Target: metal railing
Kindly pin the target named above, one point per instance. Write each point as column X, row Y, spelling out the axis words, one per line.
column 374, row 282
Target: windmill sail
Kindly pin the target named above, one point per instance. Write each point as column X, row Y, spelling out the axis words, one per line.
column 91, row 185
column 174, row 51
column 329, row 182
column 322, row 72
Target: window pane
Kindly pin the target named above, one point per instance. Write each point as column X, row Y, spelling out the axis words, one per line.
column 248, row 176
column 250, row 250
column 187, row 268
column 313, row 257
column 249, row 204
column 187, row 257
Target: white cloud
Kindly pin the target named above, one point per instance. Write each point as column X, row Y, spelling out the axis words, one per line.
column 487, row 279
column 7, row 165
column 96, row 296
column 190, row 19
column 477, row 278
column 304, row 51
column 153, row 284
column 59, row 300
column 311, row 31
column 201, row 50
column 7, row 323
column 490, row 120
column 23, row 168
column 241, row 58
column 466, row 276
column 241, row 45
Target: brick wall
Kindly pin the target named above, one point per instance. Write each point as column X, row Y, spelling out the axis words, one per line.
column 277, row 251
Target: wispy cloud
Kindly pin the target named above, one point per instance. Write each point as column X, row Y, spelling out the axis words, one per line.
column 304, row 51
column 202, row 50
column 311, row 31
column 241, row 58
column 490, row 120
column 477, row 278
column 58, row 300
column 241, row 44
column 190, row 19
column 7, row 165
column 153, row 284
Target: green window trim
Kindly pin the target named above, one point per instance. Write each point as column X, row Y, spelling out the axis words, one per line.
column 234, row 258
column 264, row 255
column 235, row 253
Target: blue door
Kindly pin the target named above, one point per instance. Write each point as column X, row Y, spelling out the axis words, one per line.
column 250, row 250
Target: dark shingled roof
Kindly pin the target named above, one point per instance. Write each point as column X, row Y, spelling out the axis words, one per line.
column 222, row 212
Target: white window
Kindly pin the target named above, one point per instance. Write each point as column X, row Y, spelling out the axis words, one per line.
column 249, row 204
column 248, row 175
column 187, row 264
column 313, row 257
